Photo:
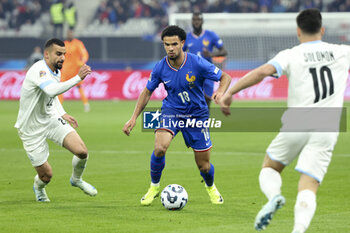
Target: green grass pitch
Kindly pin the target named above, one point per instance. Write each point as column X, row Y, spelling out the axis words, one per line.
column 119, row 168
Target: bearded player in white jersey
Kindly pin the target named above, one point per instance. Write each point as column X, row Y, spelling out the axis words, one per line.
column 41, row 117
column 317, row 74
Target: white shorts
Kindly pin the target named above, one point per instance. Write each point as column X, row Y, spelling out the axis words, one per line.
column 35, row 144
column 314, row 150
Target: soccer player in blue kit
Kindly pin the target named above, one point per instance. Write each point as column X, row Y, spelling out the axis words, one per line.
column 202, row 42
column 183, row 75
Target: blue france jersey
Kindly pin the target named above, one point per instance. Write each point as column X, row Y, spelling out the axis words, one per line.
column 184, row 85
column 207, row 39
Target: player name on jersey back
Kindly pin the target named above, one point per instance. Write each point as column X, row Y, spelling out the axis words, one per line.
column 319, row 56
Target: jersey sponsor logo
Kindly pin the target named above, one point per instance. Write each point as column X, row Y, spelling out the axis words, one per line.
column 42, row 73
column 216, row 70
column 191, row 79
column 205, row 42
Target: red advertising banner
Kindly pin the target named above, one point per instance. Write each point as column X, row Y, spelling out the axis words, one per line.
column 127, row 85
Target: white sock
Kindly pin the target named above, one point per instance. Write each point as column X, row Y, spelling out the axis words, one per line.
column 157, row 184
column 270, row 182
column 78, row 167
column 39, row 183
column 304, row 210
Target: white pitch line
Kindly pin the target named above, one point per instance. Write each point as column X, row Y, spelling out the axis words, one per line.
column 170, row 151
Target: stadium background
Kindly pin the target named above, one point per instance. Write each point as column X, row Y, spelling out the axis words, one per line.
column 123, row 49
column 123, row 39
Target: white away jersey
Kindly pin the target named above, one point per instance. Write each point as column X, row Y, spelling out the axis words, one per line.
column 36, row 107
column 317, row 73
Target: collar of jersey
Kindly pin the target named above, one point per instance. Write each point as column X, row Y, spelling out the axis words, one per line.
column 53, row 73
column 173, row 68
column 195, row 36
column 313, row 42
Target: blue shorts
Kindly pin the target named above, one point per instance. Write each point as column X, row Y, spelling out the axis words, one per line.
column 198, row 138
column 208, row 87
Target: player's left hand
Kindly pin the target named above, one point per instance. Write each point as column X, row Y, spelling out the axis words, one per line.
column 206, row 53
column 225, row 103
column 71, row 120
column 217, row 97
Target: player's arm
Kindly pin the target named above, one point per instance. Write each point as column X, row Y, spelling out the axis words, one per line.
column 62, row 113
column 225, row 82
column 140, row 105
column 253, row 77
column 218, row 43
column 221, row 52
column 52, row 88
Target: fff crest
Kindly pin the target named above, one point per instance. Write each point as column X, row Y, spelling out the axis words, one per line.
column 191, row 79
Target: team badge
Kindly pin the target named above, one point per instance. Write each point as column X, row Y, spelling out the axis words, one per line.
column 191, row 79
column 42, row 73
column 205, row 42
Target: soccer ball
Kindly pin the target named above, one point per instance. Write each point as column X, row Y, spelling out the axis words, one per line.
column 174, row 197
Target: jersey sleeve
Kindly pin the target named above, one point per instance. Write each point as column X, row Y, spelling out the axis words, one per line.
column 49, row 85
column 217, row 41
column 153, row 80
column 280, row 62
column 208, row 70
column 41, row 78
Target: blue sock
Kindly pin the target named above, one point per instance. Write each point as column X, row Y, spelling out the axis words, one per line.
column 209, row 177
column 157, row 166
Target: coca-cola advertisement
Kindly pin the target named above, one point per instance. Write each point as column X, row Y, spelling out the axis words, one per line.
column 127, row 85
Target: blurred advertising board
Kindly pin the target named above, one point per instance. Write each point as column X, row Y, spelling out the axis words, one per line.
column 127, row 85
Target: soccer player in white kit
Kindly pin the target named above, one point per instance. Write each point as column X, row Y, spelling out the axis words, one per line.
column 317, row 74
column 41, row 117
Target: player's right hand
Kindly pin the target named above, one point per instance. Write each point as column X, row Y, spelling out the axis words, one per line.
column 84, row 71
column 129, row 125
column 225, row 103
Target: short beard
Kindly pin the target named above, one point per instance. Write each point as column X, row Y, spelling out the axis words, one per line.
column 58, row 67
column 174, row 58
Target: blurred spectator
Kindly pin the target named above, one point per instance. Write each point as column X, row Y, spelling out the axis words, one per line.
column 172, row 7
column 2, row 13
column 293, row 6
column 185, row 7
column 278, row 7
column 335, row 5
column 216, row 7
column 265, row 5
column 101, row 13
column 57, row 18
column 347, row 5
column 116, row 12
column 136, row 9
column 230, row 6
column 34, row 57
column 71, row 16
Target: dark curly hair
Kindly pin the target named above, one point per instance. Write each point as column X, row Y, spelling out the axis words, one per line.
column 174, row 30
